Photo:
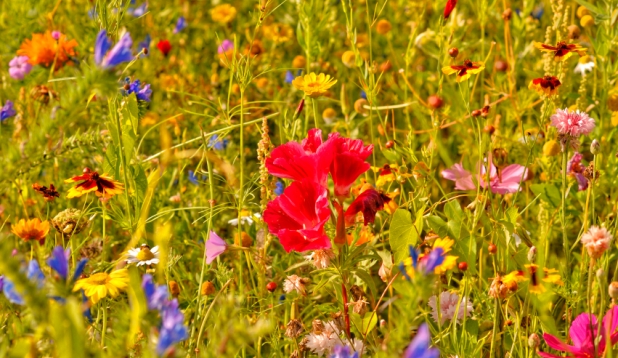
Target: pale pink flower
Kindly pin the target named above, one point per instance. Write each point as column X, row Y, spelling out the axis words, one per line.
column 572, row 123
column 321, row 258
column 596, row 241
column 295, row 283
column 448, row 307
column 324, row 342
column 215, row 246
column 507, row 180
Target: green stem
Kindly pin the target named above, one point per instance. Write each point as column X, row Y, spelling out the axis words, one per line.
column 104, row 328
column 314, row 102
column 565, row 241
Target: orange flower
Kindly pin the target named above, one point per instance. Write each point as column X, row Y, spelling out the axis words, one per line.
column 464, row 71
column 32, row 229
column 547, row 85
column 102, row 184
column 43, row 49
column 562, row 50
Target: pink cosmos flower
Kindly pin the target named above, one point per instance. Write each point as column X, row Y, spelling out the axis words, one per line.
column 575, row 168
column 507, row 180
column 309, row 160
column 19, row 67
column 596, row 241
column 297, row 217
column 215, row 246
column 584, row 333
column 571, row 123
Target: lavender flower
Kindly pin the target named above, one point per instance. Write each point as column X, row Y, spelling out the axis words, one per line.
column 172, row 329
column 7, row 111
column 156, row 295
column 19, row 67
column 216, row 143
column 226, row 45
column 181, row 24
column 419, row 347
column 59, row 261
column 142, row 93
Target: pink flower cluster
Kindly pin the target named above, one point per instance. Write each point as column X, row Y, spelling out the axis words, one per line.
column 572, row 123
column 507, row 180
column 596, row 241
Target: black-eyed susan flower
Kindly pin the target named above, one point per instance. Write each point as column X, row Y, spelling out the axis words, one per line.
column 562, row 50
column 32, row 229
column 102, row 184
column 547, row 85
column 464, row 71
column 550, row 276
column 102, row 284
column 314, row 85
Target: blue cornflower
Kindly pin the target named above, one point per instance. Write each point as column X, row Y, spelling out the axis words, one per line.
column 289, row 76
column 193, row 178
column 343, row 352
column 33, row 273
column 538, row 11
column 156, row 295
column 144, row 46
column 120, row 53
column 216, row 143
column 7, row 111
column 434, row 259
column 138, row 11
column 142, row 93
column 363, row 95
column 181, row 24
column 419, row 347
column 79, row 268
column 59, row 261
column 279, row 188
column 172, row 329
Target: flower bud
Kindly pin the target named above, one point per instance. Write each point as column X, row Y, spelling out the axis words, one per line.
column 299, row 109
column 600, row 273
column 453, row 52
column 299, row 62
column 329, row 115
column 174, row 289
column 574, row 32
column 271, row 286
column 613, row 290
column 207, row 288
column 383, row 27
column 476, row 113
column 463, row 266
column 534, row 340
column 489, row 129
column 506, row 15
column 500, row 156
column 389, row 144
column 595, row 147
column 532, row 254
column 501, row 65
column 492, row 248
column 434, row 101
column 359, row 106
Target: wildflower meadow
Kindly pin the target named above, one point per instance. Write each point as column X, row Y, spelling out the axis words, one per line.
column 309, row 178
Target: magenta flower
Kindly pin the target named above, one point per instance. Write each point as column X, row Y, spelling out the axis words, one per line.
column 575, row 168
column 19, row 67
column 507, row 180
column 583, row 333
column 215, row 246
column 226, row 45
column 573, row 123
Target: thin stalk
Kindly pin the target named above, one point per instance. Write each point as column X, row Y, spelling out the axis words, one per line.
column 565, row 241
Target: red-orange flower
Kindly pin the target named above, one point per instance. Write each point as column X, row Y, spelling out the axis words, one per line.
column 102, row 184
column 42, row 49
column 547, row 85
column 464, row 71
column 31, row 229
column 49, row 194
column 562, row 50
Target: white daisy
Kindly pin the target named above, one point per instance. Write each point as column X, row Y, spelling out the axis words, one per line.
column 585, row 64
column 143, row 255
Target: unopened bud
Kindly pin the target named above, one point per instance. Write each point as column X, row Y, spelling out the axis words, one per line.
column 613, row 290
column 595, row 147
column 453, row 52
column 207, row 288
column 600, row 273
column 174, row 289
column 534, row 340
column 500, row 156
column 532, row 254
column 299, row 109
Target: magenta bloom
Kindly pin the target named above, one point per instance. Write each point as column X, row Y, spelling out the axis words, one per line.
column 215, row 246
column 19, row 67
column 311, row 159
column 583, row 333
column 226, row 45
column 573, row 123
column 348, row 162
column 297, row 217
column 507, row 180
column 575, row 168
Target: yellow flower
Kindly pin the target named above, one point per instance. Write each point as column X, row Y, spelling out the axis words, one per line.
column 314, row 85
column 586, row 21
column 550, row 276
column 43, row 49
column 551, row 148
column 299, row 62
column 464, row 71
column 449, row 261
column 278, row 32
column 383, row 27
column 615, row 119
column 100, row 285
column 223, row 13
column 102, row 184
column 32, row 229
column 349, row 58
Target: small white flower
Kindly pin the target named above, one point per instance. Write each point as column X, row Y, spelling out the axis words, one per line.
column 295, row 283
column 448, row 307
column 249, row 219
column 585, row 64
column 324, row 342
column 321, row 258
column 143, row 255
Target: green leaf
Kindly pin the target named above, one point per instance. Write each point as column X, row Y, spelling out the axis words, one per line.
column 549, row 193
column 141, row 185
column 438, row 225
column 589, row 6
column 455, row 216
column 369, row 322
column 404, row 232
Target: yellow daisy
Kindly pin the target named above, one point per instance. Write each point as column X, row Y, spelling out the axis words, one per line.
column 314, row 85
column 102, row 284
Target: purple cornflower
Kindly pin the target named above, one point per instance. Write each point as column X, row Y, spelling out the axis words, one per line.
column 156, row 295
column 59, row 261
column 138, row 11
column 7, row 111
column 19, row 67
column 215, row 246
column 217, row 143
column 142, row 93
column 419, row 347
column 172, row 329
column 181, row 24
column 120, row 53
column 343, row 352
column 279, row 187
column 226, row 45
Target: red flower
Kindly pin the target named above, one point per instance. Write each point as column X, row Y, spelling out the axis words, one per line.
column 297, row 216
column 562, row 50
column 464, row 71
column 369, row 203
column 311, row 159
column 49, row 194
column 164, row 46
column 450, row 6
column 348, row 163
column 102, row 184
